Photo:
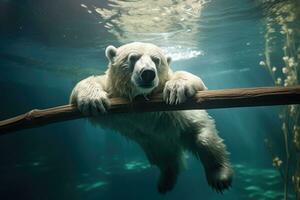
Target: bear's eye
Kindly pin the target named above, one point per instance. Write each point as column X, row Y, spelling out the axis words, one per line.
column 132, row 58
column 156, row 60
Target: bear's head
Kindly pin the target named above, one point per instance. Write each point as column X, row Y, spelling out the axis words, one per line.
column 136, row 69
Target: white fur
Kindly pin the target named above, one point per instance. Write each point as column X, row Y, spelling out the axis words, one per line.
column 90, row 97
column 181, row 86
column 163, row 136
column 144, row 61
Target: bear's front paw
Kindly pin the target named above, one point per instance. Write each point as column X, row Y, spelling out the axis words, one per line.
column 93, row 103
column 220, row 179
column 177, row 91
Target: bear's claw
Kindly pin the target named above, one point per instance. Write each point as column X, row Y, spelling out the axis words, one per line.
column 220, row 179
column 93, row 103
column 177, row 91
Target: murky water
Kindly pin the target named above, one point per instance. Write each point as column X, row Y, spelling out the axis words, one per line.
column 48, row 46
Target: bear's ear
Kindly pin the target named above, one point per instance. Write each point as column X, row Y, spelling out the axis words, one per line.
column 169, row 60
column 110, row 52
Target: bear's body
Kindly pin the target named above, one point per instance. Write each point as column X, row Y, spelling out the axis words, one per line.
column 141, row 69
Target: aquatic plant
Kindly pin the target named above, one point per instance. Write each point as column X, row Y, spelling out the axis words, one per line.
column 282, row 31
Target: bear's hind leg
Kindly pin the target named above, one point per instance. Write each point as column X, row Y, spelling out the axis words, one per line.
column 167, row 178
column 169, row 161
column 206, row 145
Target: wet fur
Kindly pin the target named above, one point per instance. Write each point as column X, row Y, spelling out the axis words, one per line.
column 164, row 136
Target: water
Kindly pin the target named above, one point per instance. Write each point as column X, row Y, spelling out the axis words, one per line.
column 48, row 46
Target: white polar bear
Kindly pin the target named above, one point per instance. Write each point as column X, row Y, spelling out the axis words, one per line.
column 141, row 69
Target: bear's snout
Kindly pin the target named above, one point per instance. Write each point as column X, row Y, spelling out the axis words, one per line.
column 147, row 76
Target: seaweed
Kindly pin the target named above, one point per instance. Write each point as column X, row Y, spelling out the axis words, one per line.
column 282, row 38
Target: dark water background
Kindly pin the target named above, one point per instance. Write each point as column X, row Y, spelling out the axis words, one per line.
column 48, row 46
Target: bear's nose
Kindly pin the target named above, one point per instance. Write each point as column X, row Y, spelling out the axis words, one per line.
column 148, row 75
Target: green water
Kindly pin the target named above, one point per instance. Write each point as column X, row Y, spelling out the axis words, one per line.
column 46, row 47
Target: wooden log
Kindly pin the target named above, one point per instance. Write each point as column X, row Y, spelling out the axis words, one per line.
column 228, row 98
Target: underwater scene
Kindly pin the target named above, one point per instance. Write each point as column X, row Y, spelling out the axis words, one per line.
column 47, row 47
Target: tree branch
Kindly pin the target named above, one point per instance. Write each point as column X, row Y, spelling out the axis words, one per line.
column 209, row 99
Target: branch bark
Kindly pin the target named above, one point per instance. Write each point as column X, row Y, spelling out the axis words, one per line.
column 228, row 98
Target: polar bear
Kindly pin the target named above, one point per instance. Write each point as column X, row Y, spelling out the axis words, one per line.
column 140, row 69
